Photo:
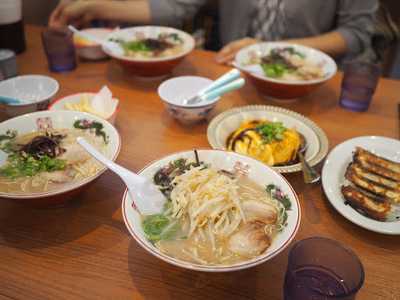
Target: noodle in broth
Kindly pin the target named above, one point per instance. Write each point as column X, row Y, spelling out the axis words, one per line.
column 217, row 218
column 77, row 164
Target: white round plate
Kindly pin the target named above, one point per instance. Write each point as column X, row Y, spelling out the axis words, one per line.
column 257, row 171
column 224, row 124
column 333, row 178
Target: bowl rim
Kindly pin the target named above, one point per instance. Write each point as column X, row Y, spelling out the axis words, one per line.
column 152, row 60
column 329, row 59
column 78, row 184
column 47, row 98
column 52, row 108
column 208, row 103
column 214, row 269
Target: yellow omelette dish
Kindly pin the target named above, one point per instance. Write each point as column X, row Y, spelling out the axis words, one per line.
column 269, row 142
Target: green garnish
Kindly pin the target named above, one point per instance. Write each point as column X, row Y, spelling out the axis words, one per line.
column 135, row 46
column 98, row 128
column 159, row 227
column 274, row 70
column 272, row 131
column 276, row 193
column 23, row 165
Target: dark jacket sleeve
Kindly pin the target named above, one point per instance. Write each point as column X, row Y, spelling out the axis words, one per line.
column 173, row 12
column 355, row 22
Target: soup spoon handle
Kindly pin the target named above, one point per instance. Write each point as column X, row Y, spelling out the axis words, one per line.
column 146, row 196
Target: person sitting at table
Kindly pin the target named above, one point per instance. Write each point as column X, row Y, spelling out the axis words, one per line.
column 341, row 28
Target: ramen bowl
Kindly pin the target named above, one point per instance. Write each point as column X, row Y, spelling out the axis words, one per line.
column 280, row 89
column 45, row 120
column 254, row 170
column 151, row 66
column 90, row 50
column 74, row 99
column 35, row 92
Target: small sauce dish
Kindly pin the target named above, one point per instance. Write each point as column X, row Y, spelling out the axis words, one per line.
column 90, row 50
column 175, row 91
column 78, row 101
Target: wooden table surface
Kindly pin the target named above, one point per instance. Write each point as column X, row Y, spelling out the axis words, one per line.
column 83, row 250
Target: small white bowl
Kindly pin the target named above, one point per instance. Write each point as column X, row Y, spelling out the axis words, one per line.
column 174, row 91
column 59, row 104
column 90, row 50
column 34, row 91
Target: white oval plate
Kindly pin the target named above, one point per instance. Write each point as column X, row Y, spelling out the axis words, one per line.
column 333, row 178
column 225, row 123
column 257, row 171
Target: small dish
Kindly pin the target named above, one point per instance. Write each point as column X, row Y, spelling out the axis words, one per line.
column 149, row 67
column 174, row 91
column 257, row 171
column 60, row 104
column 225, row 123
column 57, row 120
column 281, row 89
column 90, row 50
column 34, row 91
column 333, row 178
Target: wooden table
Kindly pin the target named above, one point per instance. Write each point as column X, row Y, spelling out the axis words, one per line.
column 83, row 251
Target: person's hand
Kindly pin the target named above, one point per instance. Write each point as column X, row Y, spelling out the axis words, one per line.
column 227, row 53
column 76, row 12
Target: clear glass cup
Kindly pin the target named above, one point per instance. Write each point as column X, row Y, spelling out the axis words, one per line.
column 322, row 269
column 358, row 85
column 59, row 49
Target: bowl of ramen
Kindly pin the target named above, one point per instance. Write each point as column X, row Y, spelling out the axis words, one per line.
column 285, row 71
column 149, row 51
column 224, row 212
column 270, row 134
column 34, row 92
column 40, row 160
column 90, row 50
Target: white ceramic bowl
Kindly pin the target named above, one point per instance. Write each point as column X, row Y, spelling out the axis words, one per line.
column 59, row 104
column 34, row 91
column 57, row 119
column 257, row 171
column 283, row 89
column 149, row 67
column 90, row 50
column 174, row 91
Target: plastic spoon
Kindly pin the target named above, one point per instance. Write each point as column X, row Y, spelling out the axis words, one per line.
column 146, row 196
column 224, row 79
column 9, row 101
column 216, row 92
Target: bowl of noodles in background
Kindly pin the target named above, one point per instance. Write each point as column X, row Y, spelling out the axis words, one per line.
column 149, row 51
column 224, row 212
column 40, row 161
column 285, row 71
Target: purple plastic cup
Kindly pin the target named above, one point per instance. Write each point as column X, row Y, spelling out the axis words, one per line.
column 59, row 49
column 358, row 85
column 322, row 269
